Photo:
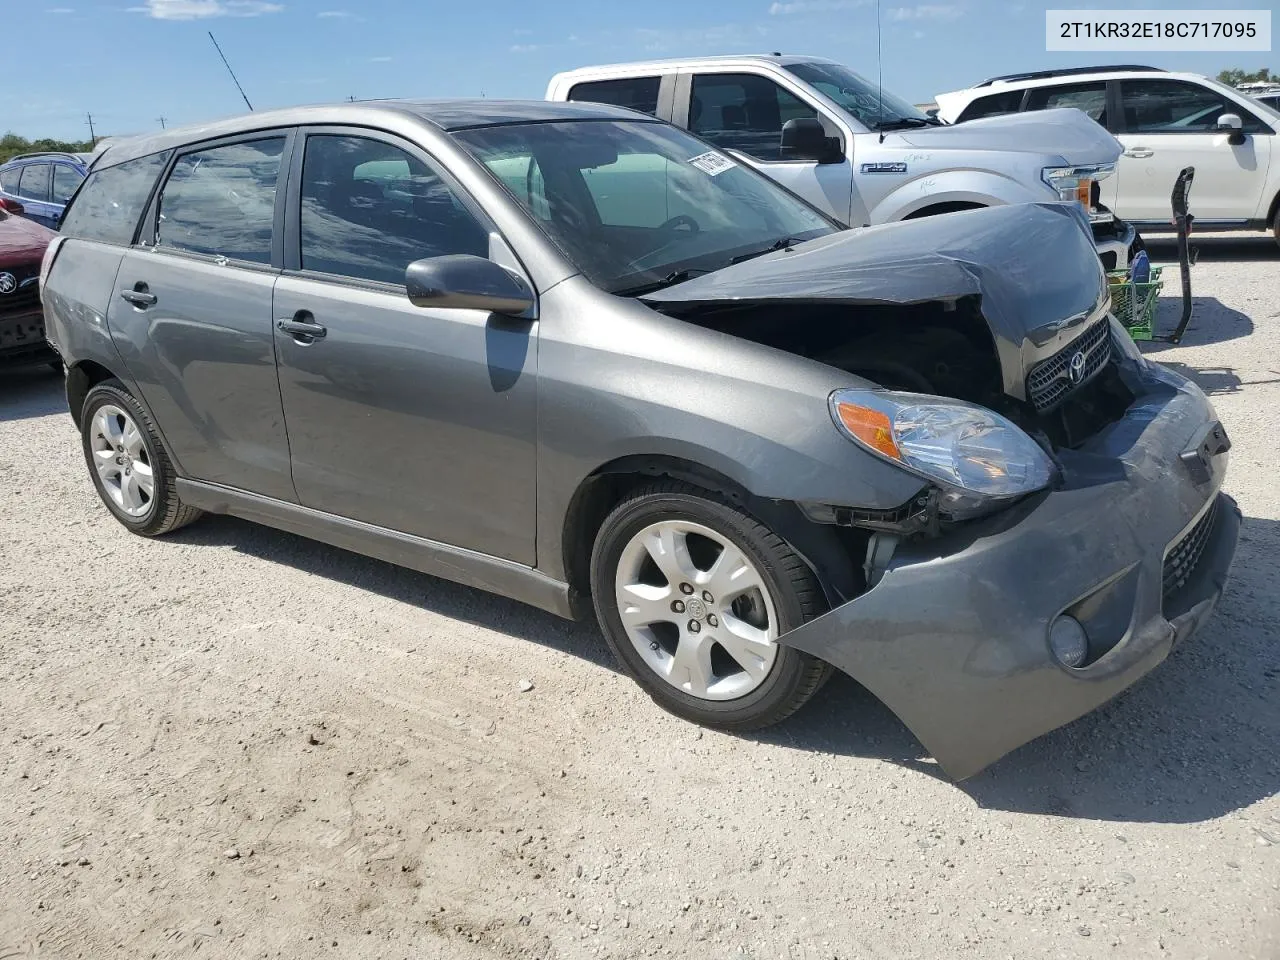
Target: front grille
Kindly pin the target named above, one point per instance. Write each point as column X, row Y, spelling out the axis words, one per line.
column 1181, row 560
column 25, row 292
column 1052, row 381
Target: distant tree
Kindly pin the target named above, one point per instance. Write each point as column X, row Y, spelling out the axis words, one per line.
column 1235, row 77
column 11, row 145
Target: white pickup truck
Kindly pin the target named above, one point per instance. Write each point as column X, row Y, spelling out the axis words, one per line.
column 861, row 154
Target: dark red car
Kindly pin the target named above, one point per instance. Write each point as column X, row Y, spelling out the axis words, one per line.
column 22, row 245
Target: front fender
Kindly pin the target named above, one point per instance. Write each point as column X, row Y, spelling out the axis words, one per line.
column 953, row 186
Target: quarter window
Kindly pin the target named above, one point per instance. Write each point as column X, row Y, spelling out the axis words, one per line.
column 1171, row 106
column 221, row 201
column 65, row 181
column 369, row 209
column 34, row 184
column 110, row 204
column 741, row 111
column 9, row 179
column 1090, row 98
column 635, row 93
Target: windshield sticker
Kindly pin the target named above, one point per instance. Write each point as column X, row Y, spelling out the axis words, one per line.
column 712, row 164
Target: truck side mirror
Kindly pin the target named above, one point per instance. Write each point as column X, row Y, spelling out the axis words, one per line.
column 1232, row 124
column 804, row 138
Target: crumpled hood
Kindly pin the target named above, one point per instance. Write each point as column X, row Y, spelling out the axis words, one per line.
column 1065, row 132
column 21, row 240
column 1033, row 266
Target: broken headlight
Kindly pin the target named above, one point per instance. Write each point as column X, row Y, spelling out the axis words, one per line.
column 973, row 454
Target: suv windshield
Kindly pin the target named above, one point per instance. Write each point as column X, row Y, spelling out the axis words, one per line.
column 873, row 107
column 638, row 205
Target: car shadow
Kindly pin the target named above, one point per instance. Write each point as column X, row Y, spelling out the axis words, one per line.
column 1164, row 751
column 27, row 392
column 1260, row 247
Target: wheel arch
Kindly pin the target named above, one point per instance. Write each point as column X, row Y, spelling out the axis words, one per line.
column 82, row 377
column 829, row 551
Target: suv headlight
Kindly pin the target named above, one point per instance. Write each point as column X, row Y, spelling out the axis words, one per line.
column 1076, row 183
column 975, row 455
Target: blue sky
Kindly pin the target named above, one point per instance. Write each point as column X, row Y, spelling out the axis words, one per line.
column 130, row 62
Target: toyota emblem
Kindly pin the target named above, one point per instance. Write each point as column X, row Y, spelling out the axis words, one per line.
column 1075, row 369
column 8, row 283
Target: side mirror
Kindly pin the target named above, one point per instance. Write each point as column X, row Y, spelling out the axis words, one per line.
column 1232, row 123
column 12, row 206
column 465, row 282
column 804, row 138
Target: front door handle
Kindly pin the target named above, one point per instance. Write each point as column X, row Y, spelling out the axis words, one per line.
column 1139, row 153
column 302, row 327
column 139, row 296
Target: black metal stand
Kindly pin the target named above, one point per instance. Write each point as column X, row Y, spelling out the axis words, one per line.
column 1182, row 220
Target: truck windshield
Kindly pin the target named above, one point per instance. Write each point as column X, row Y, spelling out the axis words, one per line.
column 873, row 108
column 639, row 205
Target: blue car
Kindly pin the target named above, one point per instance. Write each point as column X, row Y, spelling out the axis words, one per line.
column 43, row 183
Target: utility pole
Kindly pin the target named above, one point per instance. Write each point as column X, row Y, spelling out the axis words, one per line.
column 162, row 120
column 92, row 137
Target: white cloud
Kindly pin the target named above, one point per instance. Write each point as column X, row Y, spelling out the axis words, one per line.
column 60, row 10
column 205, row 9
column 781, row 8
column 380, row 59
column 337, row 15
column 524, row 47
column 927, row 11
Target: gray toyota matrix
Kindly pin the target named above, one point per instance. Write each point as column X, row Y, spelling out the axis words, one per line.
column 576, row 356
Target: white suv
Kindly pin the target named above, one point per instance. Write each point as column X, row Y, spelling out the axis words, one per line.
column 1166, row 121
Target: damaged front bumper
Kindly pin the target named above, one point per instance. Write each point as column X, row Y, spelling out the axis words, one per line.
column 1136, row 545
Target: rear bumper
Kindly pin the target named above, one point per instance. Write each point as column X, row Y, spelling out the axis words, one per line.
column 22, row 338
column 954, row 637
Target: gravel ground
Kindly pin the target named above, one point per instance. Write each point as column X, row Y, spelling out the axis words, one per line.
column 236, row 741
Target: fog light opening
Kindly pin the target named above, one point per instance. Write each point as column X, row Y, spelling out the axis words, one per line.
column 1068, row 641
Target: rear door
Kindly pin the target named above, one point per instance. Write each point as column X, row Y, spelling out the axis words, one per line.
column 418, row 420
column 192, row 316
column 1166, row 125
column 34, row 185
column 745, row 112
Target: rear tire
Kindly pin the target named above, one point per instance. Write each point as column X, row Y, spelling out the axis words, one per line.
column 128, row 463
column 728, row 671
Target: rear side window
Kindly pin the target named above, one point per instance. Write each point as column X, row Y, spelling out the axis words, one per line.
column 34, row 184
column 112, row 201
column 637, row 93
column 9, row 179
column 221, row 202
column 1089, row 98
column 992, row 105
column 65, row 180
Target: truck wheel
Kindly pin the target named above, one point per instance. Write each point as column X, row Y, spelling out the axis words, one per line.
column 692, row 594
column 129, row 466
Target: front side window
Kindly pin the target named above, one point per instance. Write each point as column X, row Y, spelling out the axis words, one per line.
column 221, row 201
column 1172, row 106
column 1090, row 98
column 65, row 180
column 369, row 209
column 635, row 205
column 992, row 105
column 34, row 183
column 113, row 199
column 742, row 111
column 635, row 93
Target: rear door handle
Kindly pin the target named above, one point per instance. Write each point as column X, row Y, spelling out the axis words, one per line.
column 1139, row 153
column 302, row 327
column 139, row 296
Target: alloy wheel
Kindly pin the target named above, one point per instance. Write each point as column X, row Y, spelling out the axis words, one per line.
column 121, row 459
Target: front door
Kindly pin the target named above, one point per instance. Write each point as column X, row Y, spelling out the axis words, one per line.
column 191, row 315
column 1167, row 125
column 745, row 112
column 417, row 420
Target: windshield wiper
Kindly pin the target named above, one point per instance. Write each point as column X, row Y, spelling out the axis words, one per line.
column 899, row 122
column 670, row 280
column 782, row 243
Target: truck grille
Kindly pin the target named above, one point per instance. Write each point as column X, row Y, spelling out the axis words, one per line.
column 1182, row 558
column 1052, row 381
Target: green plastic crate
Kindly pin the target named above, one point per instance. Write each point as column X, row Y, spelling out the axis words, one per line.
column 1134, row 304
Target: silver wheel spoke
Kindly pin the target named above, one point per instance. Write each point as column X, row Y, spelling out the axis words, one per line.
column 749, row 646
column 107, row 426
column 640, row 604
column 145, row 479
column 130, row 497
column 669, row 548
column 731, row 575
column 131, row 436
column 691, row 666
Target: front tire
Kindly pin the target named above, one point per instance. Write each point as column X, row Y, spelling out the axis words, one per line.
column 692, row 594
column 128, row 463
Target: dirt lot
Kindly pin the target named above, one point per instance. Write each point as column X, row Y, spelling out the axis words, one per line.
column 237, row 743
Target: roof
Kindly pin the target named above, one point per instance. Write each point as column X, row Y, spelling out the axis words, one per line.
column 446, row 115
column 79, row 157
column 1069, row 72
column 675, row 62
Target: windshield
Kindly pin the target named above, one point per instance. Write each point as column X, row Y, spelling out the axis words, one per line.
column 873, row 107
column 636, row 205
